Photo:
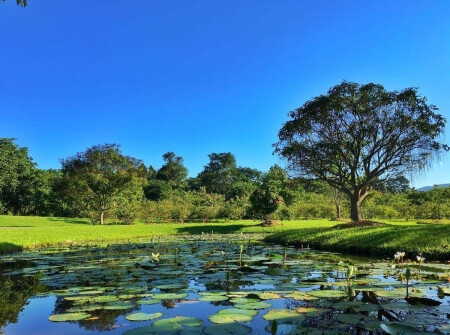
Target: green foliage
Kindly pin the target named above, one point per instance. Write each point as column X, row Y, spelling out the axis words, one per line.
column 219, row 173
column 173, row 171
column 14, row 293
column 17, row 178
column 357, row 135
column 102, row 176
column 21, row 3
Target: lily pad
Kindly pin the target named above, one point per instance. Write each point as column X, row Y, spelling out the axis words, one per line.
column 64, row 317
column 328, row 293
column 149, row 302
column 253, row 305
column 170, row 296
column 268, row 295
column 283, row 315
column 143, row 316
column 227, row 329
column 355, row 305
column 214, row 297
column 301, row 296
column 398, row 329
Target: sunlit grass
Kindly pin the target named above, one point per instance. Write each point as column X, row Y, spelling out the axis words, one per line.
column 432, row 240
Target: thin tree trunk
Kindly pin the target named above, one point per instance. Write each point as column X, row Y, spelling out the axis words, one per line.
column 337, row 201
column 338, row 210
column 102, row 212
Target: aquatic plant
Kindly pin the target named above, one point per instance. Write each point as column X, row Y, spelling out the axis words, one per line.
column 274, row 327
column 350, row 272
column 241, row 249
column 407, row 277
column 399, row 257
column 420, row 259
column 155, row 257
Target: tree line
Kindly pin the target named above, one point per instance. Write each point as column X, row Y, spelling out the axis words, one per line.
column 107, row 186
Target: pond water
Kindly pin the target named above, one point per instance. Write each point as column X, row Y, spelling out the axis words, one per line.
column 213, row 284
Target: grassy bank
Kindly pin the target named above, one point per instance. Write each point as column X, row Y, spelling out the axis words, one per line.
column 18, row 233
column 431, row 240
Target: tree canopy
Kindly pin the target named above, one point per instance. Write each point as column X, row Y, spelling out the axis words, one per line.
column 356, row 134
column 102, row 175
column 17, row 177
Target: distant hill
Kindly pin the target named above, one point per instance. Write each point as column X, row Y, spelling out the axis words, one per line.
column 427, row 188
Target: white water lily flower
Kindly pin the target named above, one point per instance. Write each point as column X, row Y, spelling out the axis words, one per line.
column 420, row 258
column 399, row 255
column 155, row 256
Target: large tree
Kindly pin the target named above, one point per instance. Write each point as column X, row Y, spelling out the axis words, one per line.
column 218, row 175
column 17, row 178
column 356, row 134
column 173, row 171
column 101, row 175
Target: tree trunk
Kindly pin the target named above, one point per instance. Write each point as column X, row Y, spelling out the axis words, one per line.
column 337, row 201
column 355, row 211
column 102, row 212
column 355, row 200
column 338, row 210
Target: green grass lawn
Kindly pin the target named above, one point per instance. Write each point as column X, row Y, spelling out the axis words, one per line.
column 18, row 233
column 431, row 240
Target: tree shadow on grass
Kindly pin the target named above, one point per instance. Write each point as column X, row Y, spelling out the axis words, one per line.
column 71, row 220
column 208, row 228
column 431, row 239
column 6, row 247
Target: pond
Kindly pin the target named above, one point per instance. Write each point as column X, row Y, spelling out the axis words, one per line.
column 211, row 284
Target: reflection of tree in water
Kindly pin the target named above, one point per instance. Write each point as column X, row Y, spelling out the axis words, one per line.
column 230, row 283
column 168, row 303
column 101, row 319
column 61, row 305
column 14, row 294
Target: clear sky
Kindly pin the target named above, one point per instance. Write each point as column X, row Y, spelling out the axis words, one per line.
column 197, row 77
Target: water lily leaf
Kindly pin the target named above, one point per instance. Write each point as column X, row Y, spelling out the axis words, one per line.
column 149, row 302
column 103, row 299
column 301, row 296
column 328, row 293
column 355, row 305
column 283, row 315
column 230, row 318
column 214, row 297
column 355, row 319
column 227, row 329
column 170, row 286
column 119, row 306
column 143, row 316
column 191, row 331
column 445, row 329
column 268, row 295
column 423, row 301
column 311, row 311
column 170, row 296
column 166, row 326
column 253, row 305
column 402, row 307
column 64, row 317
column 398, row 329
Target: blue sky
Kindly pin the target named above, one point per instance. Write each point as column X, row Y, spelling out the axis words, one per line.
column 197, row 77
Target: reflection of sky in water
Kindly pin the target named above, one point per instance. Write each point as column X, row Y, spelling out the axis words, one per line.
column 289, row 277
